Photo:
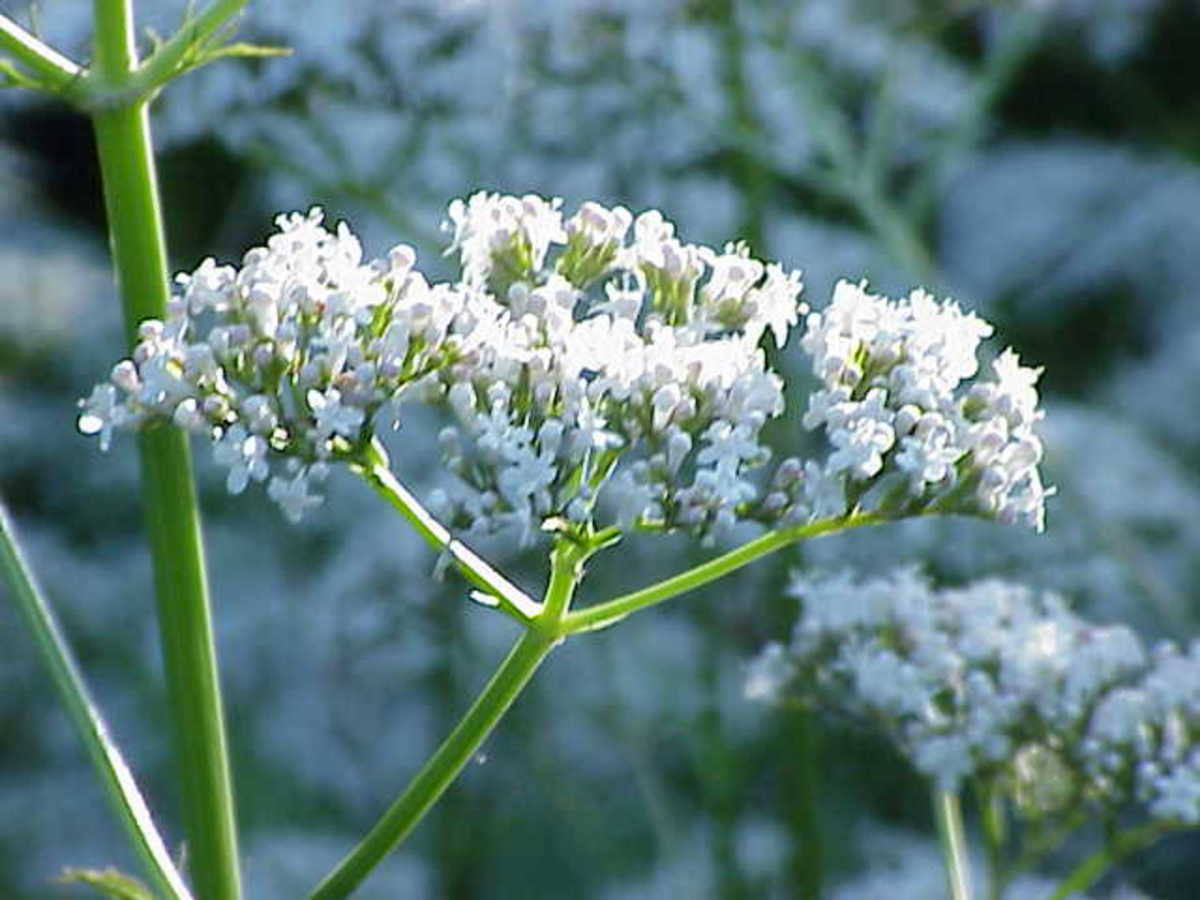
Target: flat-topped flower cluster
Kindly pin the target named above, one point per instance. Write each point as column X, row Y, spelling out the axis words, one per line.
column 906, row 435
column 598, row 369
column 995, row 679
column 286, row 361
column 608, row 340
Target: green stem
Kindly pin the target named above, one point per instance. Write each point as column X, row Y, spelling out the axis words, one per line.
column 53, row 69
column 119, row 784
column 992, row 815
column 463, row 742
column 178, row 54
column 440, row 770
column 476, row 570
column 172, row 520
column 1087, row 872
column 948, row 812
column 1038, row 846
column 850, row 174
column 751, row 176
column 1011, row 51
column 604, row 614
column 806, row 863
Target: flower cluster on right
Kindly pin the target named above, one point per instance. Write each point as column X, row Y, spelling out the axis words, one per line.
column 995, row 679
column 906, row 436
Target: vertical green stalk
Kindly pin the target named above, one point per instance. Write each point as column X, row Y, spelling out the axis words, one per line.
column 123, row 794
column 995, row 834
column 806, row 861
column 750, row 172
column 172, row 521
column 948, row 811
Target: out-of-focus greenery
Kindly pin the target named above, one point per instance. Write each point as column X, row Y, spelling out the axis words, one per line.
column 1036, row 160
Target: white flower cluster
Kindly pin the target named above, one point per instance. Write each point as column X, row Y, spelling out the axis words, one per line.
column 598, row 339
column 906, row 436
column 595, row 365
column 995, row 679
column 283, row 362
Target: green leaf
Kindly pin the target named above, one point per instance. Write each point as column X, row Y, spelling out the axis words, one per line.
column 254, row 51
column 109, row 882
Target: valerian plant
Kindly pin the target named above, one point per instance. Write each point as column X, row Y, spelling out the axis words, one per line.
column 603, row 376
column 600, row 376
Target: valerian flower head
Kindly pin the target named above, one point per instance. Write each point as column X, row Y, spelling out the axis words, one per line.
column 909, row 433
column 998, row 680
column 606, row 376
column 600, row 371
column 290, row 356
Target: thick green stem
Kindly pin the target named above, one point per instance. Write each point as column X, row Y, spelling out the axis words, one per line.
column 441, row 769
column 193, row 691
column 604, row 614
column 948, row 812
column 127, row 801
column 463, row 742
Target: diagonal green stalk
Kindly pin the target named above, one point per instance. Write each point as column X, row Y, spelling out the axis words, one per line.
column 493, row 585
column 1087, row 872
column 608, row 613
column 172, row 520
column 52, row 69
column 948, row 812
column 123, row 793
column 461, row 745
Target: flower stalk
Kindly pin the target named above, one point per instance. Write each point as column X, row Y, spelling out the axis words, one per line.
column 494, row 588
column 464, row 741
column 1084, row 875
column 947, row 810
column 612, row 611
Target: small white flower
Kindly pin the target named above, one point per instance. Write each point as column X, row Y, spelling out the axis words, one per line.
column 245, row 456
column 598, row 225
column 293, row 496
column 101, row 412
column 209, row 287
column 333, row 416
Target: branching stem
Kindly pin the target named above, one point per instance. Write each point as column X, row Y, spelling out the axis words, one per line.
column 604, row 614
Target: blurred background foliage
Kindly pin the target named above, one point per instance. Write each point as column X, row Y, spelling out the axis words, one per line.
column 1037, row 160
